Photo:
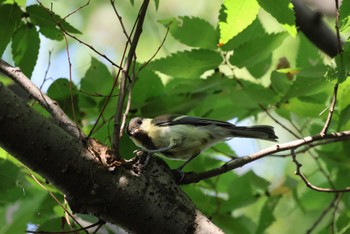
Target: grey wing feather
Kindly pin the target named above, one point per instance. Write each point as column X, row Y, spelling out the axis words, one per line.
column 168, row 120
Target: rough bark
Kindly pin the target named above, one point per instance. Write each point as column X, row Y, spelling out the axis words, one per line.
column 146, row 202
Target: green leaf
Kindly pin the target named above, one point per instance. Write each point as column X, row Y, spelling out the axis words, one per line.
column 344, row 18
column 308, row 55
column 15, row 217
column 9, row 173
column 147, row 85
column 259, row 94
column 192, row 31
column 343, row 99
column 10, row 17
column 187, row 64
column 246, row 35
column 21, row 3
column 97, row 79
column 95, row 86
column 266, row 214
column 281, row 10
column 240, row 14
column 303, row 108
column 245, row 190
column 280, row 82
column 344, row 118
column 25, row 54
column 259, row 69
column 48, row 22
column 66, row 95
column 309, row 82
column 255, row 51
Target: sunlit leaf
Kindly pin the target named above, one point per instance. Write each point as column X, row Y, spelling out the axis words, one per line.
column 239, row 14
column 282, row 11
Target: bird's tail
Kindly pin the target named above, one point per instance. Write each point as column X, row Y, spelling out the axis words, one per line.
column 264, row 132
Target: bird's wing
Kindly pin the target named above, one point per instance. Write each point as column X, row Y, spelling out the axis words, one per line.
column 168, row 120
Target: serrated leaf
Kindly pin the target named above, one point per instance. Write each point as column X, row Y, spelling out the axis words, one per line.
column 281, row 10
column 187, row 64
column 192, row 31
column 246, row 35
column 25, row 54
column 48, row 22
column 255, row 51
column 239, row 14
column 259, row 94
column 10, row 17
column 309, row 82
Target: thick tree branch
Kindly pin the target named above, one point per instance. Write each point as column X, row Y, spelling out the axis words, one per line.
column 239, row 162
column 50, row 105
column 147, row 202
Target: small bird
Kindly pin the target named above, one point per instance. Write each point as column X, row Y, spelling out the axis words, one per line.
column 185, row 137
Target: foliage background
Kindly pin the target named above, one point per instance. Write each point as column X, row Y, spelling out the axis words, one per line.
column 267, row 68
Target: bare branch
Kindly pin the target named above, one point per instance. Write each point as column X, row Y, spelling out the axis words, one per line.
column 124, row 79
column 50, row 105
column 325, row 212
column 308, row 183
column 239, row 162
column 120, row 21
column 76, row 38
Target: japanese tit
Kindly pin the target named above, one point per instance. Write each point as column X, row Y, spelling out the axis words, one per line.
column 184, row 137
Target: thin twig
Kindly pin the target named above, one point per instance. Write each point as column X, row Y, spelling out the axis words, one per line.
column 336, row 207
column 109, row 95
column 47, row 70
column 123, row 86
column 70, row 81
column 51, row 194
column 278, row 122
column 330, row 112
column 339, row 48
column 324, row 213
column 157, row 51
column 241, row 161
column 77, row 39
column 121, row 21
column 308, row 183
column 50, row 105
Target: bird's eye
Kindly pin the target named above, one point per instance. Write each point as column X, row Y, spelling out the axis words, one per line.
column 139, row 121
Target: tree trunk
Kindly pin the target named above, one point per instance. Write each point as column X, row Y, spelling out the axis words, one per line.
column 145, row 202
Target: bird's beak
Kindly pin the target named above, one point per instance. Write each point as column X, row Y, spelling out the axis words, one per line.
column 133, row 132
